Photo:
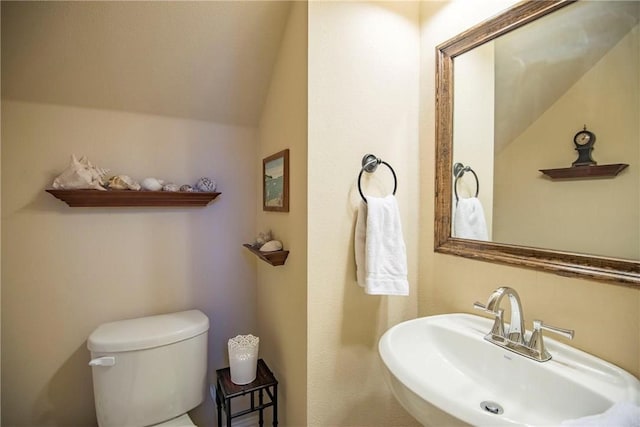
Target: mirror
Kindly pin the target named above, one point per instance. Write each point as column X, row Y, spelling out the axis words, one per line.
column 477, row 124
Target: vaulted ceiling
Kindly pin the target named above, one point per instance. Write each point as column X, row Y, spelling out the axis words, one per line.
column 212, row 60
column 208, row 60
column 538, row 63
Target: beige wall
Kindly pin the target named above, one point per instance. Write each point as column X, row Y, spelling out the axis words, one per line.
column 363, row 80
column 282, row 291
column 599, row 216
column 67, row 270
column 606, row 317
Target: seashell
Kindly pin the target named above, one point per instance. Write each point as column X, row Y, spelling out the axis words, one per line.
column 205, row 184
column 263, row 237
column 151, row 184
column 270, row 246
column 123, row 182
column 170, row 187
column 97, row 173
column 80, row 174
column 187, row 188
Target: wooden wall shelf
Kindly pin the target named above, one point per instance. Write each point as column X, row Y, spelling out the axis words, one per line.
column 129, row 198
column 585, row 171
column 274, row 258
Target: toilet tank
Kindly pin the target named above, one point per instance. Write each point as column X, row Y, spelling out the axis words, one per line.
column 150, row 369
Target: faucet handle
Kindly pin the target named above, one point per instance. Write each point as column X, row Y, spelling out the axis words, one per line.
column 479, row 306
column 498, row 324
column 536, row 342
column 567, row 333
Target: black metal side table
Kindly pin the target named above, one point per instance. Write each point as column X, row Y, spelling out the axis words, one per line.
column 226, row 390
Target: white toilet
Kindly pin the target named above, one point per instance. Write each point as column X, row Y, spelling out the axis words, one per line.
column 149, row 371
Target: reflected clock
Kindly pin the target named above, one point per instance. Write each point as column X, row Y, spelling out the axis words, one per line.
column 584, row 141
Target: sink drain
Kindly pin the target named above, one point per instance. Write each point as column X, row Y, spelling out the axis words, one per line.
column 492, row 407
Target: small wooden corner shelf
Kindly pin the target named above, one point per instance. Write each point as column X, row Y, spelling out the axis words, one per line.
column 129, row 198
column 601, row 171
column 274, row 258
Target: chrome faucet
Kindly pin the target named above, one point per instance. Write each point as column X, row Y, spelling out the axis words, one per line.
column 514, row 338
column 516, row 323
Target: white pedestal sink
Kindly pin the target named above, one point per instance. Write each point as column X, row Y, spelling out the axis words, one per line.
column 444, row 373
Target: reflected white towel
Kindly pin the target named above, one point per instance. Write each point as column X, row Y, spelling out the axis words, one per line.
column 468, row 221
column 622, row 414
column 360, row 242
column 381, row 256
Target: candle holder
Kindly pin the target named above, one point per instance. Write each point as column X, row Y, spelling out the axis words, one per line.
column 243, row 358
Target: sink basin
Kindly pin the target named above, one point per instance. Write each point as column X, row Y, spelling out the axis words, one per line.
column 444, row 373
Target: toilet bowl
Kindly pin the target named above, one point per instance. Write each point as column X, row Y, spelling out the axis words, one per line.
column 149, row 371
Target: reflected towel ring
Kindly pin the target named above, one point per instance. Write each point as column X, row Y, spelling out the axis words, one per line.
column 458, row 170
column 370, row 164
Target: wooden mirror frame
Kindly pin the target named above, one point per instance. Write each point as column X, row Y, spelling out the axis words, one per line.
column 612, row 270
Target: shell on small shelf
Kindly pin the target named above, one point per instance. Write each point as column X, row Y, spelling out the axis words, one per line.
column 205, row 184
column 151, row 184
column 274, row 258
column 262, row 238
column 270, row 246
column 122, row 182
column 80, row 174
column 171, row 187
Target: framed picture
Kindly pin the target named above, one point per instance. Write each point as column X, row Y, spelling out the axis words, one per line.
column 275, row 175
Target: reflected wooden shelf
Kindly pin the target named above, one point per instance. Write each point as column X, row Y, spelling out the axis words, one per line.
column 129, row 198
column 585, row 171
column 274, row 258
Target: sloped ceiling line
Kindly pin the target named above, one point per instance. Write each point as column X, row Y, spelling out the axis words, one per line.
column 208, row 61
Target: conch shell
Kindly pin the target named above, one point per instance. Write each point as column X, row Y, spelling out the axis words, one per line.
column 123, row 182
column 80, row 174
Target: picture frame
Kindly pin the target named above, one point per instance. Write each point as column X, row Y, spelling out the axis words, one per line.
column 275, row 182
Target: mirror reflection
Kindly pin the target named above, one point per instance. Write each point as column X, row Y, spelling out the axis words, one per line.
column 519, row 102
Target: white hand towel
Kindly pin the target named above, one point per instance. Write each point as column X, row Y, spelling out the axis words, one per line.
column 381, row 256
column 468, row 221
column 621, row 414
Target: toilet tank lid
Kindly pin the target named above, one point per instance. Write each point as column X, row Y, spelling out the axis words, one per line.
column 147, row 332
